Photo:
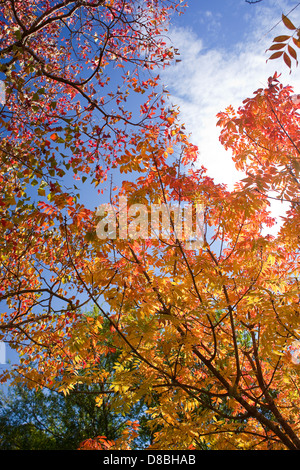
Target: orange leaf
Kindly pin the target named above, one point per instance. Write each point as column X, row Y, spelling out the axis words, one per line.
column 281, row 38
column 276, row 55
column 275, row 47
column 287, row 22
column 292, row 52
column 287, row 60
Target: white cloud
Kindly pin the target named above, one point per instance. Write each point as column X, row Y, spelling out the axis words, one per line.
column 206, row 81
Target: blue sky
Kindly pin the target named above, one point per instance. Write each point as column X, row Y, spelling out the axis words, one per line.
column 218, row 22
column 223, row 61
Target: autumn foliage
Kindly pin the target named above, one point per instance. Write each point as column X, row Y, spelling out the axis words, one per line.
column 204, row 336
column 285, row 45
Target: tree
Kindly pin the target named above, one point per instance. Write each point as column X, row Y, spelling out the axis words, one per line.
column 204, row 335
column 43, row 419
column 35, row 418
column 70, row 68
column 202, row 321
